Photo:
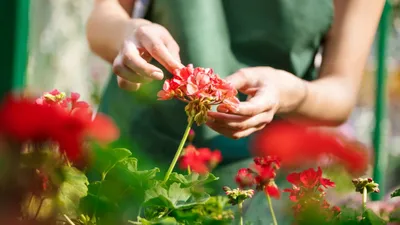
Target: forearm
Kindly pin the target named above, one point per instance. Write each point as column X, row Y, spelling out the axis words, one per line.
column 107, row 27
column 328, row 101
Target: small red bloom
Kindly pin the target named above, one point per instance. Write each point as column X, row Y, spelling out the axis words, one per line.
column 200, row 160
column 269, row 161
column 264, row 174
column 327, row 183
column 245, row 178
column 294, row 193
column 272, row 190
column 310, row 178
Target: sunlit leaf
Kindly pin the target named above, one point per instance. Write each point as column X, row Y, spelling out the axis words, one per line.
column 72, row 190
column 175, row 197
column 192, row 179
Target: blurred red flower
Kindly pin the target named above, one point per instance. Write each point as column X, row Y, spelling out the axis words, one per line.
column 200, row 160
column 301, row 145
column 24, row 120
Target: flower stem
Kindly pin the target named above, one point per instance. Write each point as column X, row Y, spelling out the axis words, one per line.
column 364, row 199
column 189, row 170
column 240, row 205
column 179, row 151
column 275, row 222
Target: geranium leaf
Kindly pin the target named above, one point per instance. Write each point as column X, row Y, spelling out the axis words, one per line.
column 373, row 219
column 159, row 221
column 396, row 193
column 72, row 190
column 175, row 197
column 107, row 158
column 192, row 179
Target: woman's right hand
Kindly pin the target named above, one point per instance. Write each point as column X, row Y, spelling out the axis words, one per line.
column 146, row 41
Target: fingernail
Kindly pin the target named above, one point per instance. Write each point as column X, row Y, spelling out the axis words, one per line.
column 210, row 119
column 157, row 75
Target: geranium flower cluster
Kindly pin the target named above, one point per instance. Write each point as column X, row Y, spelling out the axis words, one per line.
column 200, row 160
column 200, row 88
column 262, row 175
column 54, row 117
column 57, row 98
column 308, row 193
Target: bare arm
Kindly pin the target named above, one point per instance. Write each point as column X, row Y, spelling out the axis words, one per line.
column 331, row 98
column 129, row 44
column 108, row 26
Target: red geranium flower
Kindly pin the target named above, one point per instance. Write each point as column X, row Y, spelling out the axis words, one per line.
column 201, row 88
column 299, row 145
column 272, row 190
column 200, row 160
column 245, row 178
column 24, row 120
column 262, row 175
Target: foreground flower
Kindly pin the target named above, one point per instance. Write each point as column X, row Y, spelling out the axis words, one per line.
column 262, row 175
column 26, row 121
column 237, row 197
column 365, row 186
column 200, row 160
column 200, row 88
column 308, row 193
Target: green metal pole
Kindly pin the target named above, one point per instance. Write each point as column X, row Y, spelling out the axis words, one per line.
column 14, row 21
column 380, row 159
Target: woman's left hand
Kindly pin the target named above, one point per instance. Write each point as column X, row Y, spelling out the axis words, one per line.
column 269, row 91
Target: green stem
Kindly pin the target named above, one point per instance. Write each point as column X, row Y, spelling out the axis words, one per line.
column 68, row 220
column 364, row 199
column 275, row 222
column 189, row 170
column 240, row 205
column 179, row 151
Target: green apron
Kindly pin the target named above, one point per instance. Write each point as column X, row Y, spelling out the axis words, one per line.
column 225, row 35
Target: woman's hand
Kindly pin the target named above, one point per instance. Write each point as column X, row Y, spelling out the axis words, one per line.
column 146, row 41
column 269, row 91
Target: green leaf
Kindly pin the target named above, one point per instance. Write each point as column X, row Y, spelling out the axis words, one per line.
column 192, row 179
column 107, row 158
column 161, row 221
column 175, row 198
column 72, row 190
column 396, row 193
column 371, row 218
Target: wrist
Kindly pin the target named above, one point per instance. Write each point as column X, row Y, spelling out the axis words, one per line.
column 293, row 93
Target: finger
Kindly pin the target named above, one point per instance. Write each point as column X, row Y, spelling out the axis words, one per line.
column 127, row 85
column 173, row 48
column 234, row 134
column 245, row 133
column 254, row 121
column 222, row 130
column 159, row 52
column 263, row 100
column 225, row 116
column 241, row 80
column 126, row 73
column 131, row 58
